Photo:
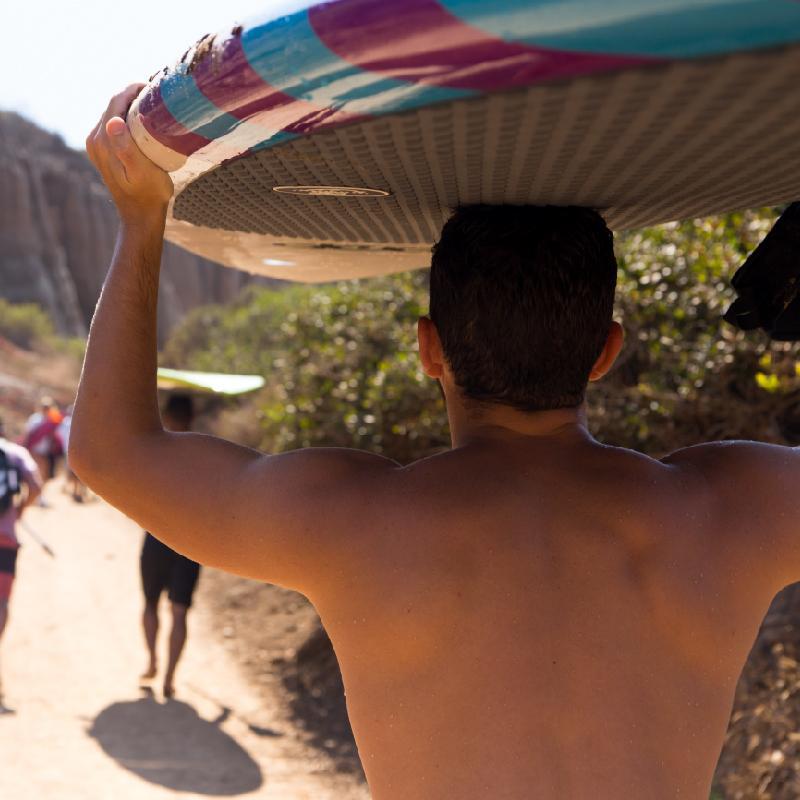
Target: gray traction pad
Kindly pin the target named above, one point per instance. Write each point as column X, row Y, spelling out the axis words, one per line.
column 643, row 146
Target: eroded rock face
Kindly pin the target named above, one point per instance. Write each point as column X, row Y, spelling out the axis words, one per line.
column 57, row 230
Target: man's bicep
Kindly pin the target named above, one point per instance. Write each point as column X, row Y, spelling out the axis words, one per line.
column 276, row 518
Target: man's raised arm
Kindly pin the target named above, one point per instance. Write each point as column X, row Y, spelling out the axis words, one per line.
column 283, row 518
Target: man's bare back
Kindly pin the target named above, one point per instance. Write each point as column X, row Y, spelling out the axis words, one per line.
column 528, row 615
column 545, row 617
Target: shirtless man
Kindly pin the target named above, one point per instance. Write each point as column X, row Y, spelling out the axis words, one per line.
column 528, row 615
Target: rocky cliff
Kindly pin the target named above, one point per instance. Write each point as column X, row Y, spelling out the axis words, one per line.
column 57, row 229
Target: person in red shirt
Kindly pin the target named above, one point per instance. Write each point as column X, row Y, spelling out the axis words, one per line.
column 43, row 440
column 20, row 485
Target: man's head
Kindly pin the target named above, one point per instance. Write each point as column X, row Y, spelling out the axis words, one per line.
column 521, row 305
column 178, row 413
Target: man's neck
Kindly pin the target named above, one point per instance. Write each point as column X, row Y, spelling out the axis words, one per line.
column 470, row 423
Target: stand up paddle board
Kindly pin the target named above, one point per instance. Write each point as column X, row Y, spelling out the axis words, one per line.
column 332, row 140
column 212, row 382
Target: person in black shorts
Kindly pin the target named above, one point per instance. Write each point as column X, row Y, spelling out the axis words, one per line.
column 163, row 569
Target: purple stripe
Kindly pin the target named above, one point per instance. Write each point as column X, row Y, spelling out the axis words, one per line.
column 432, row 46
column 164, row 128
column 228, row 81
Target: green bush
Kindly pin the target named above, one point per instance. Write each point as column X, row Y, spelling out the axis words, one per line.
column 24, row 324
column 72, row 346
column 341, row 364
column 684, row 375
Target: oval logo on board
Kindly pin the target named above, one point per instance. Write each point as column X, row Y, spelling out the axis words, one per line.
column 331, row 191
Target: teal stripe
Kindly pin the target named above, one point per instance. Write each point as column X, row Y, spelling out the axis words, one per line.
column 288, row 55
column 656, row 28
column 197, row 113
column 192, row 108
column 278, row 138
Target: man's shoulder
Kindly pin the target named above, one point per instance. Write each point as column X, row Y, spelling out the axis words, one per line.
column 749, row 480
column 757, row 506
column 733, row 457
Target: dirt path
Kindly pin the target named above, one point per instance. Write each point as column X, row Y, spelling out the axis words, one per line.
column 81, row 729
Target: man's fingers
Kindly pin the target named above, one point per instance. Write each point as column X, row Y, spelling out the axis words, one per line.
column 112, row 169
column 121, row 140
column 123, row 148
column 120, row 103
column 91, row 139
column 126, row 160
column 134, row 181
column 117, row 129
column 118, row 107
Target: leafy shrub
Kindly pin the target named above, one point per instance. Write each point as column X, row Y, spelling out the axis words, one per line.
column 24, row 324
column 73, row 346
column 341, row 364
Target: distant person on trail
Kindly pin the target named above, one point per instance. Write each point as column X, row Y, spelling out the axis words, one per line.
column 43, row 441
column 162, row 569
column 19, row 487
column 530, row 614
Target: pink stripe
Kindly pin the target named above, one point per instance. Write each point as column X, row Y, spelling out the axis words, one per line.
column 432, row 46
column 231, row 84
column 164, row 128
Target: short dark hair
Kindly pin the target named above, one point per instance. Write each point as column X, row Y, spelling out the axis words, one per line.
column 522, row 298
column 180, row 408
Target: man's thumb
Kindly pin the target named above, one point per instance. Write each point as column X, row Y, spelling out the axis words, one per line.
column 117, row 131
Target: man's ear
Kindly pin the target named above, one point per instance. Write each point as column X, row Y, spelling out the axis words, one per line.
column 608, row 356
column 431, row 353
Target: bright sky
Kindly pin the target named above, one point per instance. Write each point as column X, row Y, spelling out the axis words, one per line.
column 62, row 60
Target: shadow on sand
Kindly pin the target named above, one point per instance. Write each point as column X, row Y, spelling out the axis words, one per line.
column 171, row 745
column 317, row 703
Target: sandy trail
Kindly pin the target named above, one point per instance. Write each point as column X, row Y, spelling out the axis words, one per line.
column 81, row 728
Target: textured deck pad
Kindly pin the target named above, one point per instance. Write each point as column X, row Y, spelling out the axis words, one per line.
column 645, row 147
column 332, row 139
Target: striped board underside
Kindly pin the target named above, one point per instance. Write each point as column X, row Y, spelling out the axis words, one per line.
column 648, row 111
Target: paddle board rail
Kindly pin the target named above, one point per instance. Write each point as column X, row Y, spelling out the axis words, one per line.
column 211, row 382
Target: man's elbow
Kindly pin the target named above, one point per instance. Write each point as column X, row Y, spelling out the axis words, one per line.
column 83, row 461
column 106, row 462
column 90, row 460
